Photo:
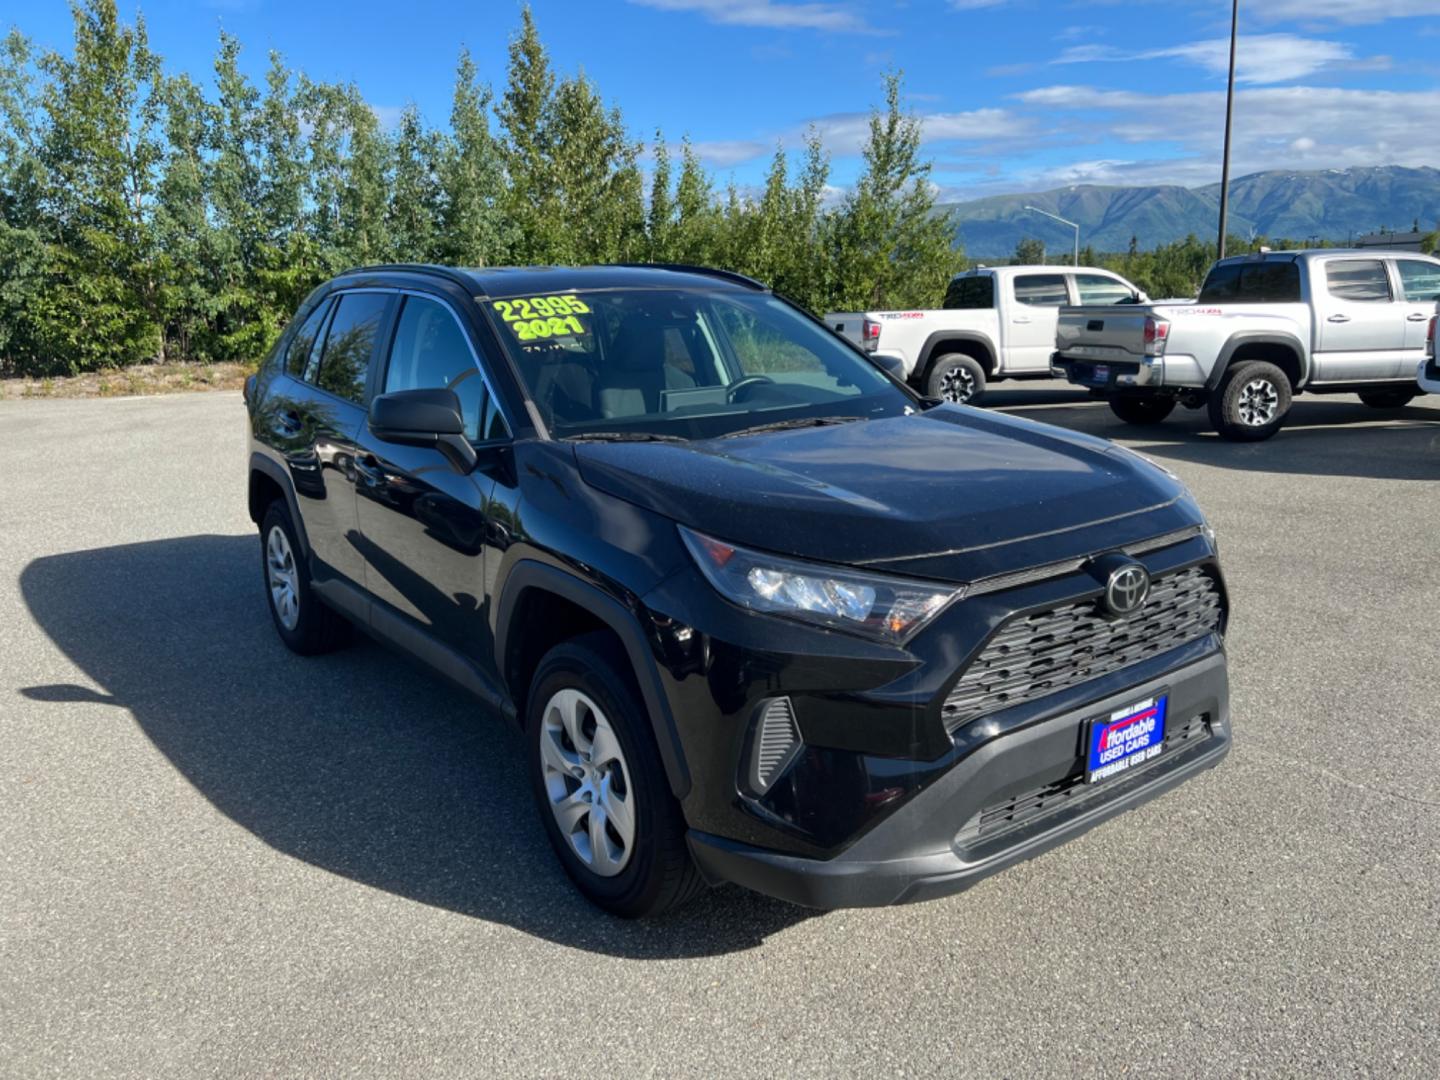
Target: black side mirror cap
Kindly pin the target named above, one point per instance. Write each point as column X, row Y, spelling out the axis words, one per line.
column 424, row 418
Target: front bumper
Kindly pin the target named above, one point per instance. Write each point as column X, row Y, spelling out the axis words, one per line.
column 1013, row 798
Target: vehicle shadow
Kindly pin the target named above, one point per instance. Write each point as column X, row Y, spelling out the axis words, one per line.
column 358, row 762
column 1322, row 437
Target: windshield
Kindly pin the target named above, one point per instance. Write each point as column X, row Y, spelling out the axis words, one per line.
column 683, row 363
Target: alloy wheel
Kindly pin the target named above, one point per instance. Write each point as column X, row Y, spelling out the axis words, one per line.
column 1259, row 401
column 957, row 385
column 284, row 578
column 587, row 782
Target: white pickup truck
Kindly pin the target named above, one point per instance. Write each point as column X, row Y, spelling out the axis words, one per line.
column 996, row 323
column 1264, row 328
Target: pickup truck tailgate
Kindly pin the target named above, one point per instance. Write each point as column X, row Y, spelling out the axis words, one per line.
column 1102, row 333
column 848, row 324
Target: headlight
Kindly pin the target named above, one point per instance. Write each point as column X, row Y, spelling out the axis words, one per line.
column 890, row 609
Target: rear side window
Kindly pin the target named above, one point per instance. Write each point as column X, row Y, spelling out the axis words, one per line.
column 1272, row 281
column 1360, row 280
column 971, row 293
column 304, row 343
column 350, row 343
column 431, row 352
column 1041, row 290
column 1098, row 289
column 1419, row 280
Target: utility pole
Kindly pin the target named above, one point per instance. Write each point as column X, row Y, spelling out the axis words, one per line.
column 1229, row 119
column 1057, row 217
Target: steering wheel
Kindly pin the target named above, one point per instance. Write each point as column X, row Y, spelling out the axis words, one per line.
column 745, row 383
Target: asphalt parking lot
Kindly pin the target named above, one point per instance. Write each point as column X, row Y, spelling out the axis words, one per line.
column 217, row 858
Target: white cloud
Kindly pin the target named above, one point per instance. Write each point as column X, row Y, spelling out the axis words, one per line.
column 1300, row 127
column 1353, row 12
column 1259, row 58
column 836, row 18
column 724, row 153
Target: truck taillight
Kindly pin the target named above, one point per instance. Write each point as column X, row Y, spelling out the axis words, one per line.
column 869, row 335
column 1430, row 338
column 1157, row 332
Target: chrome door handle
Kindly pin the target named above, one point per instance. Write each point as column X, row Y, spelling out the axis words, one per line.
column 1339, row 318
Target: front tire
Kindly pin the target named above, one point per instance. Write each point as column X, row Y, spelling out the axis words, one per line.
column 956, row 378
column 1389, row 399
column 301, row 619
column 1142, row 409
column 1251, row 402
column 599, row 783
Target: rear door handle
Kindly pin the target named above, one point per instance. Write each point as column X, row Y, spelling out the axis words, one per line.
column 368, row 467
column 1339, row 318
column 1021, row 319
column 289, row 421
column 1416, row 316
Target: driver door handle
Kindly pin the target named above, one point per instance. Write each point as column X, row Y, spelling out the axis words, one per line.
column 1339, row 318
column 368, row 468
column 1021, row 319
column 1416, row 316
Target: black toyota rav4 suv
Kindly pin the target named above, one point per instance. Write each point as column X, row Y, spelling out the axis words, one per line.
column 763, row 615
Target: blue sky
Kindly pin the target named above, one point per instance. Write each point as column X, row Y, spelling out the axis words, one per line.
column 1015, row 94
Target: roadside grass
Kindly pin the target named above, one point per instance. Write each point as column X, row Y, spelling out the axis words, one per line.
column 129, row 382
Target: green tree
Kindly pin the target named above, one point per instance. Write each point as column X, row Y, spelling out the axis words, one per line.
column 888, row 247
column 24, row 247
column 1029, row 252
column 474, row 228
column 101, row 147
column 524, row 113
column 415, row 194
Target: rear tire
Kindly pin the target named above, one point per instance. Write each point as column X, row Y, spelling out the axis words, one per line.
column 957, row 378
column 1251, row 402
column 599, row 783
column 1389, row 399
column 303, row 621
column 1142, row 409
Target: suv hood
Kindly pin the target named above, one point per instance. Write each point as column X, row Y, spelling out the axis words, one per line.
column 954, row 494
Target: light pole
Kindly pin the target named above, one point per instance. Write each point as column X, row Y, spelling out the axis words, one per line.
column 1229, row 117
column 1057, row 217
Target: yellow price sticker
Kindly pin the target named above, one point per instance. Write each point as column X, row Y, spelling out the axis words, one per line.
column 538, row 317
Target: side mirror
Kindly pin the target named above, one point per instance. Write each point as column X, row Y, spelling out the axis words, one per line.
column 424, row 418
column 1142, row 297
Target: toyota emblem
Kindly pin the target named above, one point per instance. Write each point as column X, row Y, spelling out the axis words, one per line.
column 1127, row 589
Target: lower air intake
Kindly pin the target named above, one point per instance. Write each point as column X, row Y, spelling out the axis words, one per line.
column 777, row 741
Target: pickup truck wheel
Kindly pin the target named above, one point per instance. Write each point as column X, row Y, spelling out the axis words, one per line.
column 1142, row 409
column 600, row 785
column 1389, row 399
column 957, row 378
column 1251, row 401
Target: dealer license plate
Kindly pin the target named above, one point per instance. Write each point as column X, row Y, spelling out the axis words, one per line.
column 1125, row 739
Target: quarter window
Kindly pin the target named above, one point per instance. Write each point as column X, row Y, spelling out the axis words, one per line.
column 431, row 352
column 1361, row 280
column 350, row 343
column 1098, row 289
column 1419, row 280
column 971, row 293
column 1041, row 290
column 305, row 341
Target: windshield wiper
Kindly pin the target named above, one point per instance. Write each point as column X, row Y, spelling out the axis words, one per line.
column 624, row 436
column 798, row 422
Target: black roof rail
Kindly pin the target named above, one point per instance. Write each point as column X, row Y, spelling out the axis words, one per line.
column 450, row 273
column 709, row 271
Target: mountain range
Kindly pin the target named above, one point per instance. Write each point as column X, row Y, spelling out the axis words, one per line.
column 1333, row 204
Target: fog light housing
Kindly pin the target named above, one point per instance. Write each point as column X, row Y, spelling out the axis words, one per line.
column 774, row 745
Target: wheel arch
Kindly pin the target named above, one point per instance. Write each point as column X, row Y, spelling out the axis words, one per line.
column 1283, row 350
column 541, row 606
column 269, row 481
column 972, row 343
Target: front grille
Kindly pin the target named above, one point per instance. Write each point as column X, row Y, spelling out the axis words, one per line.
column 1048, row 798
column 1039, row 654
